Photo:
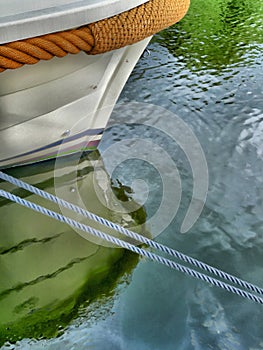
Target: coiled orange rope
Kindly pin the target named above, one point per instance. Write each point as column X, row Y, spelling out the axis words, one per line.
column 102, row 36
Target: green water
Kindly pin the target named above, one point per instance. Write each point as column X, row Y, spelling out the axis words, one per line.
column 48, row 271
column 207, row 70
column 216, row 35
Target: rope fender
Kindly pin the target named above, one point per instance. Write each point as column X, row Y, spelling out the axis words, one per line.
column 105, row 35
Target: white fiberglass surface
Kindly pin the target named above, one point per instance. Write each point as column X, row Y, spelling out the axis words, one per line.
column 23, row 19
column 15, row 7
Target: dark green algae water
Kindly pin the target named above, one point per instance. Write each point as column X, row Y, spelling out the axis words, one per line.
column 207, row 69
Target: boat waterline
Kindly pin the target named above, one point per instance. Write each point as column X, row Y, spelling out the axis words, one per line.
column 38, row 122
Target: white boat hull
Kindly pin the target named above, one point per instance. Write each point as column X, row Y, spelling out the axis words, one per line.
column 61, row 107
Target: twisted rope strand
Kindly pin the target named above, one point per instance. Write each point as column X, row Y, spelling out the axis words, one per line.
column 30, row 51
column 47, row 46
column 118, row 242
column 172, row 252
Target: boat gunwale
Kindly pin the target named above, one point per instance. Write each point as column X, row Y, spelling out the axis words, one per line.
column 53, row 19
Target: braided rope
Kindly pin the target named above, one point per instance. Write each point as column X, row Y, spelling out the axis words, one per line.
column 131, row 234
column 105, row 35
column 120, row 243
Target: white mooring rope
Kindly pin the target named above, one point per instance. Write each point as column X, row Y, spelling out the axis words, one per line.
column 133, row 235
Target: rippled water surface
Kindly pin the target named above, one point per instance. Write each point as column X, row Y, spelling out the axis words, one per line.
column 208, row 71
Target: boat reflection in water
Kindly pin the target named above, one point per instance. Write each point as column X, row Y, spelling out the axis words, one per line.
column 47, row 269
